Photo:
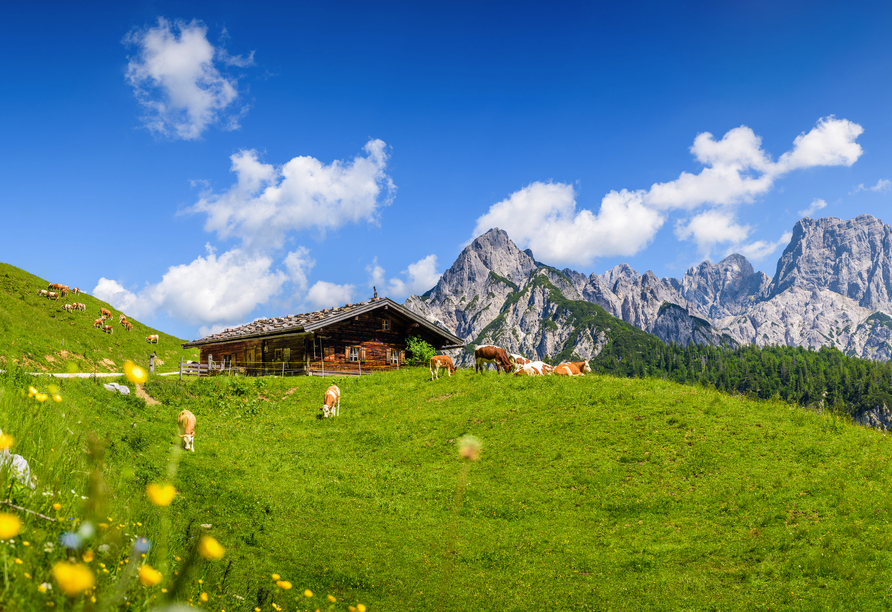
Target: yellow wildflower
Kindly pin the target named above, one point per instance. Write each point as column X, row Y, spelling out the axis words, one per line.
column 87, row 556
column 10, row 525
column 160, row 495
column 5, row 441
column 134, row 373
column 41, row 397
column 283, row 584
column 57, row 506
column 57, row 398
column 307, row 593
column 149, row 576
column 73, row 578
column 360, row 607
column 32, row 391
column 276, row 577
column 18, row 561
column 203, row 597
column 332, row 598
column 210, row 549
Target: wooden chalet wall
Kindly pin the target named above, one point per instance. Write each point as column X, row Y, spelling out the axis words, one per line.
column 257, row 356
column 365, row 331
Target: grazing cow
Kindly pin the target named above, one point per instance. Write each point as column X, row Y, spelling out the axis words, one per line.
column 43, row 292
column 76, row 291
column 518, row 360
column 534, row 368
column 63, row 292
column 439, row 362
column 105, row 312
column 491, row 354
column 186, row 423
column 52, row 295
column 121, row 317
column 127, row 325
column 152, row 338
column 81, row 306
column 68, row 307
column 108, row 329
column 578, row 368
column 331, row 403
column 98, row 323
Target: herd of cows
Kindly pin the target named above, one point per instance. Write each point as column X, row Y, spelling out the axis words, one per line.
column 54, row 291
column 519, row 365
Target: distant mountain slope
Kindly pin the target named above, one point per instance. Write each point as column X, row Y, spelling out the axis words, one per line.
column 833, row 287
column 38, row 334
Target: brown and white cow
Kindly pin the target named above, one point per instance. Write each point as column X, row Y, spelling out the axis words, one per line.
column 43, row 292
column 68, row 307
column 518, row 360
column 80, row 306
column 331, row 402
column 108, row 329
column 491, row 354
column 564, row 369
column 105, row 313
column 534, row 368
column 578, row 368
column 52, row 295
column 186, row 424
column 152, row 338
column 441, row 362
column 76, row 291
column 121, row 317
column 98, row 323
column 127, row 325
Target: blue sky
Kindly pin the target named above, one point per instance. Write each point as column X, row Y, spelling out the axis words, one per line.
column 203, row 164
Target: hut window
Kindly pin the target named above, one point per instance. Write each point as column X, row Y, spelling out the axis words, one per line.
column 329, row 353
column 227, row 360
column 278, row 355
column 392, row 356
column 355, row 353
column 385, row 324
column 286, row 354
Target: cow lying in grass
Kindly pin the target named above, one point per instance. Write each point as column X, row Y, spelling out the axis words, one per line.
column 441, row 362
column 573, row 368
column 534, row 368
column 331, row 403
column 518, row 360
column 186, row 424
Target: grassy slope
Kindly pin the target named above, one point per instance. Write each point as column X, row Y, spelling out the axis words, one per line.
column 33, row 328
column 592, row 493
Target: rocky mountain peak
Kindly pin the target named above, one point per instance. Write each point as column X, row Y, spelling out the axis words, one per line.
column 726, row 288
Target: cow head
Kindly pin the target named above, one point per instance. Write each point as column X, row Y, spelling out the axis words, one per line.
column 586, row 368
column 189, row 442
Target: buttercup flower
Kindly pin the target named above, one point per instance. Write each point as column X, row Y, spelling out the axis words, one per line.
column 10, row 525
column 149, row 576
column 41, row 397
column 360, row 607
column 134, row 373
column 32, row 391
column 210, row 549
column 283, row 584
column 332, row 598
column 5, row 441
column 160, row 495
column 307, row 593
column 276, row 577
column 57, row 506
column 73, row 578
column 57, row 398
column 203, row 597
column 87, row 556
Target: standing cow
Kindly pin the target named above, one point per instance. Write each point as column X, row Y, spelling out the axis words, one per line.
column 441, row 362
column 186, row 424
column 492, row 354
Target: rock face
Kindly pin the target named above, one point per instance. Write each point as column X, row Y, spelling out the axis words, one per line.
column 833, row 287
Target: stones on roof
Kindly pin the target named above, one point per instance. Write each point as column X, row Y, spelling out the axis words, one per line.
column 281, row 324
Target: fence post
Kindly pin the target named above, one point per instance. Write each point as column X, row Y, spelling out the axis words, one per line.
column 181, row 368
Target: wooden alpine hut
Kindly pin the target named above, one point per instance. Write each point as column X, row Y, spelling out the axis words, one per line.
column 353, row 339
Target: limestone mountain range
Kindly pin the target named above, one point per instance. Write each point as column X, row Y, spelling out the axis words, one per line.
column 832, row 287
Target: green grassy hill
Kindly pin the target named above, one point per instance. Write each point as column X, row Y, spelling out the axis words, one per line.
column 593, row 493
column 36, row 333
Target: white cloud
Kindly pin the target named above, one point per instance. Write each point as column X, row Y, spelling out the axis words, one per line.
column 759, row 250
column 544, row 217
column 882, row 186
column 209, row 291
column 327, row 295
column 419, row 277
column 816, row 205
column 299, row 263
column 710, row 228
column 267, row 202
column 175, row 77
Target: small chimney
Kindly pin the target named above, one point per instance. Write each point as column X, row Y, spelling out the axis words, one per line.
column 375, row 297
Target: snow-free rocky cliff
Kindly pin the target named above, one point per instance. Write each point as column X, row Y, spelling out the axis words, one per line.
column 833, row 287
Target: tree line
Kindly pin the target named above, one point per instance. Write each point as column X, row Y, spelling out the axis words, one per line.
column 824, row 377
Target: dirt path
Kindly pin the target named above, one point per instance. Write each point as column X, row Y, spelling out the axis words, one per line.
column 141, row 393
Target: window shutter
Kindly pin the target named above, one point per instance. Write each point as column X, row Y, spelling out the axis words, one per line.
column 362, row 353
column 347, row 354
column 389, row 351
column 402, row 356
